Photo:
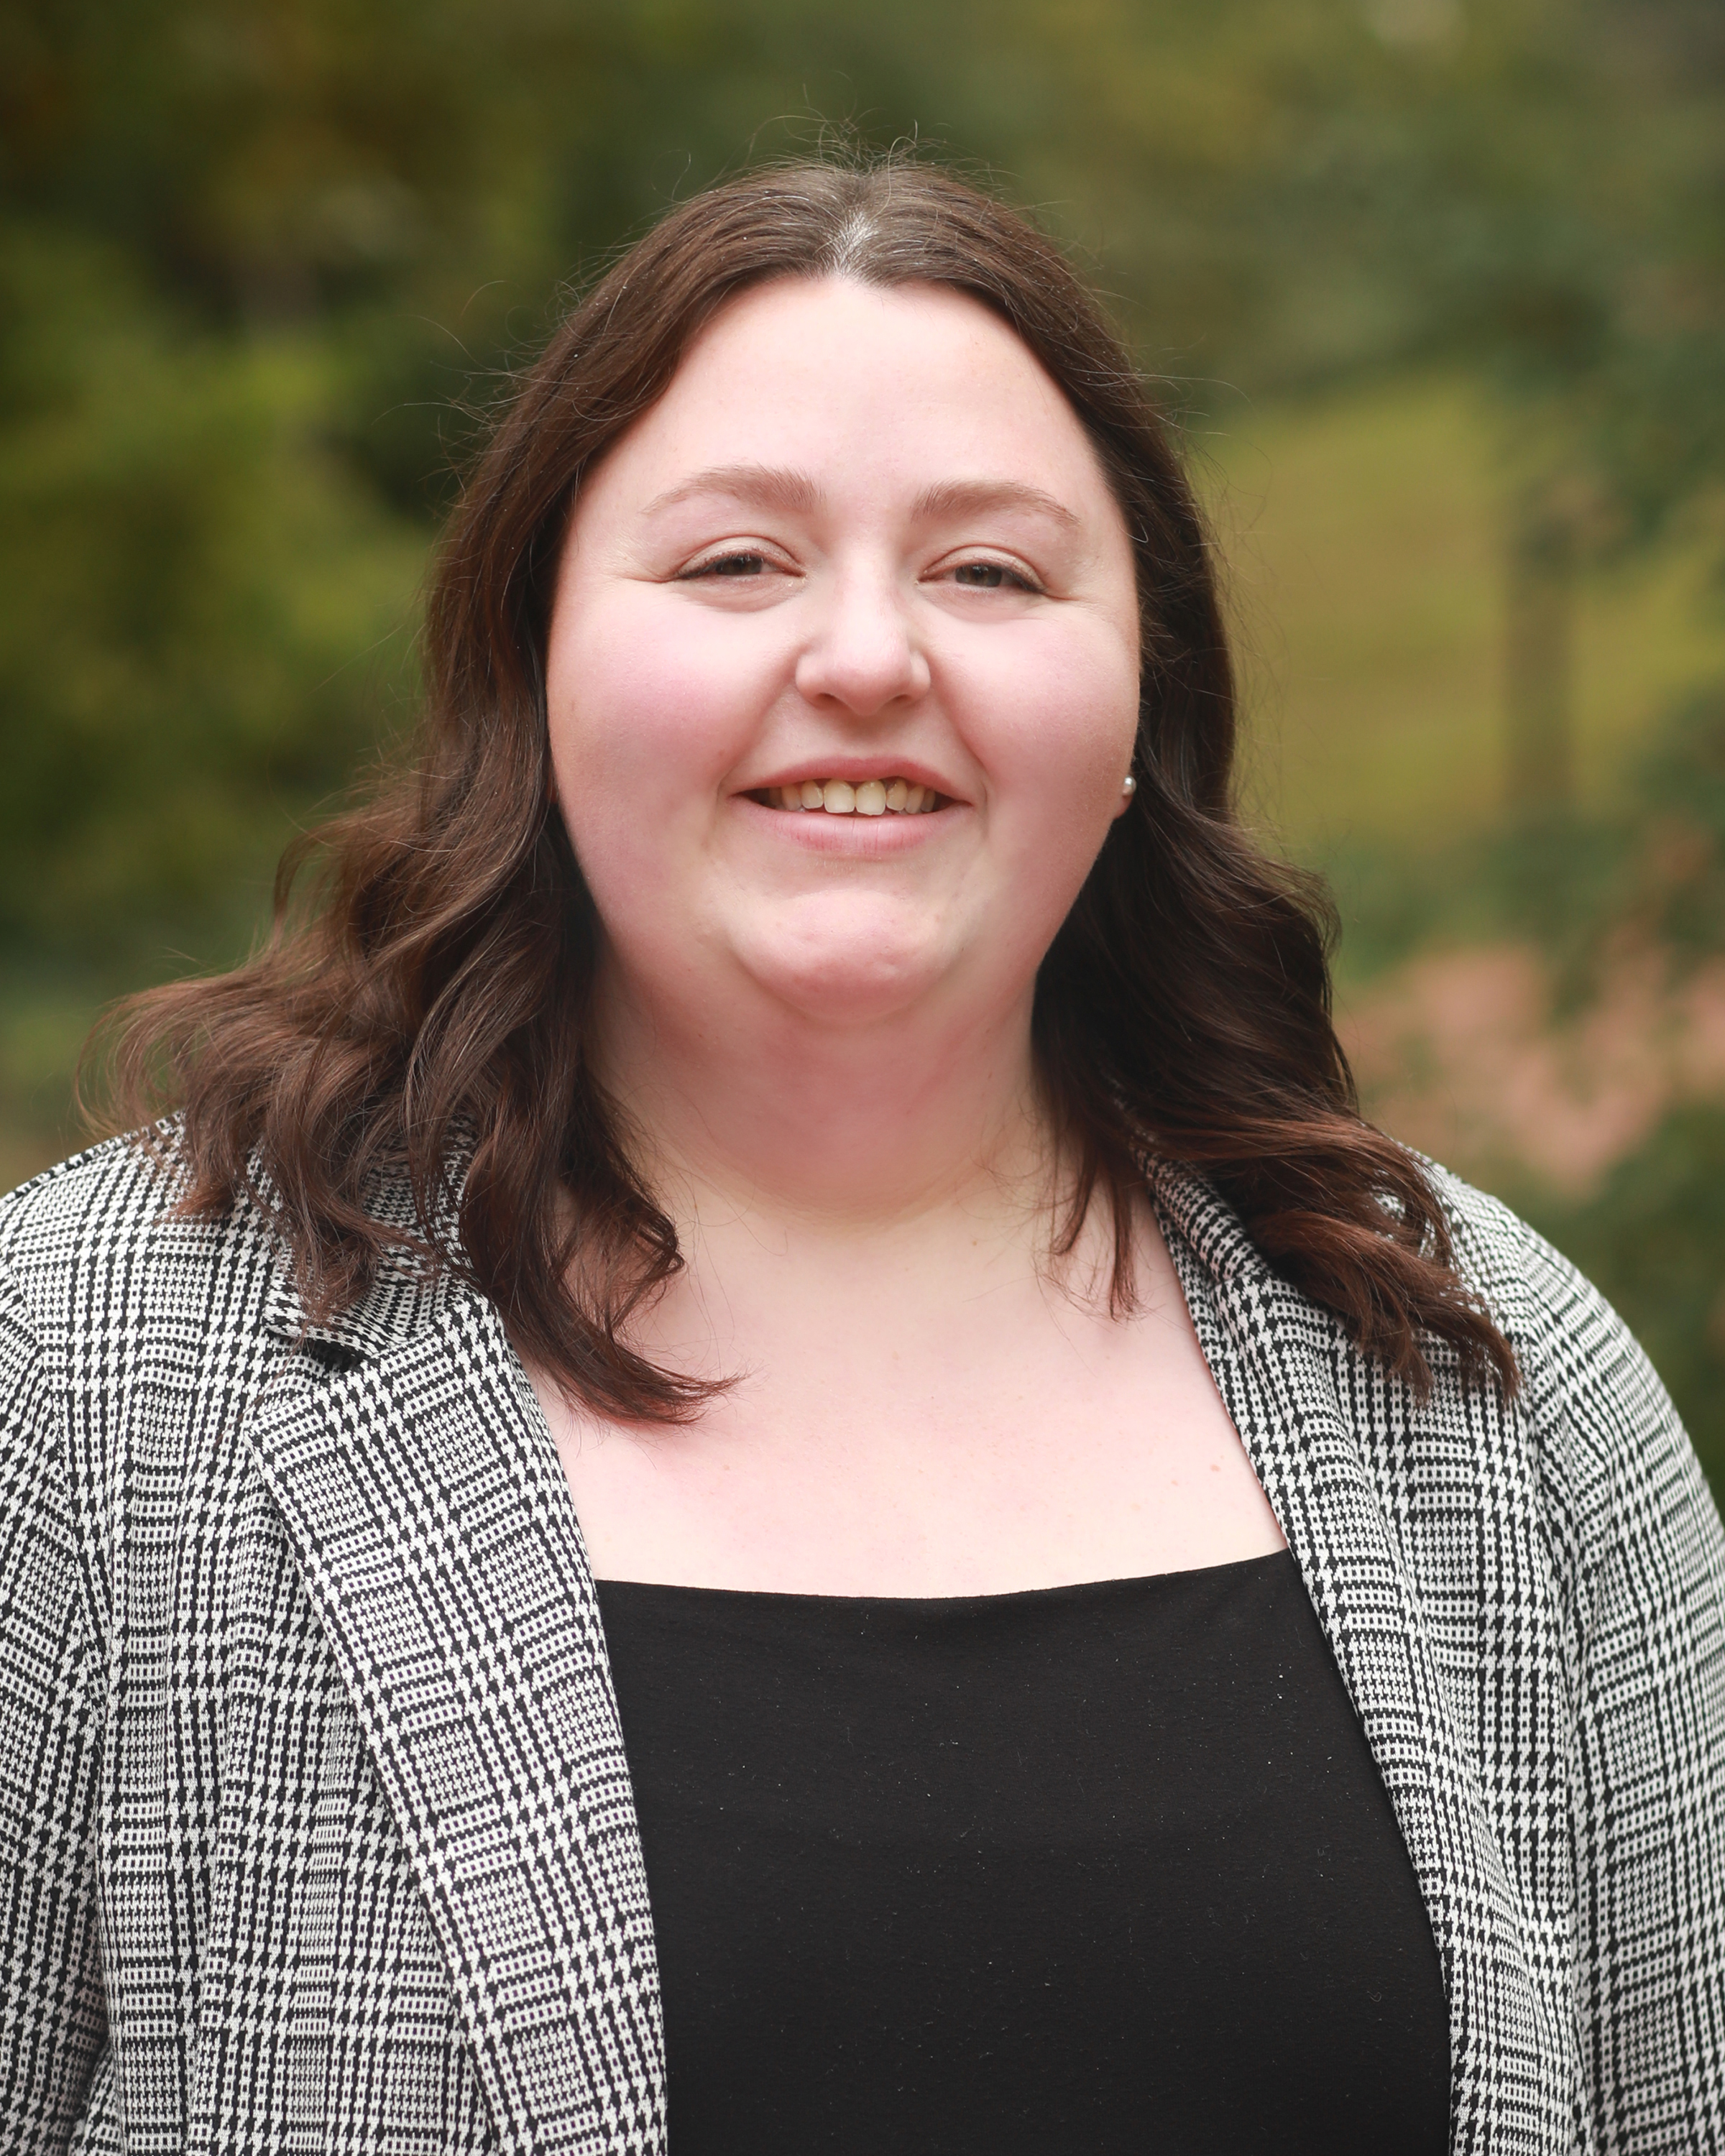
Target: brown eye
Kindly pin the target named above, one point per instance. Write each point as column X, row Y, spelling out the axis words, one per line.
column 991, row 576
column 730, row 565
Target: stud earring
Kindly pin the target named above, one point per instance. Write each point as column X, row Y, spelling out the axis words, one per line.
column 1129, row 786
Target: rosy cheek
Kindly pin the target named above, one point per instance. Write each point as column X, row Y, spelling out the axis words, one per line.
column 1062, row 720
column 654, row 699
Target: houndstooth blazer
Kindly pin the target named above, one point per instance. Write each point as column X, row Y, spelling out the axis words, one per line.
column 314, row 1819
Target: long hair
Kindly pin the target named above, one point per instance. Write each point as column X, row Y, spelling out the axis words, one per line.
column 426, row 1011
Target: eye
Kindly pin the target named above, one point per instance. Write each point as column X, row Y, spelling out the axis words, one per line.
column 741, row 564
column 990, row 576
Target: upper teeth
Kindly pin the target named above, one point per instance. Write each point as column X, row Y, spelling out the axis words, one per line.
column 873, row 797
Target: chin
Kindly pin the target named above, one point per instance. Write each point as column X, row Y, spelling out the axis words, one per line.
column 845, row 988
column 845, row 957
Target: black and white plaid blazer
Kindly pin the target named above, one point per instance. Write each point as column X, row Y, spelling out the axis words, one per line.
column 314, row 1820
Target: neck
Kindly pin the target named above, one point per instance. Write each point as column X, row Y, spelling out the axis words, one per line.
column 847, row 1128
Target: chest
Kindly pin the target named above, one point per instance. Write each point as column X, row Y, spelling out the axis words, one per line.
column 972, row 1459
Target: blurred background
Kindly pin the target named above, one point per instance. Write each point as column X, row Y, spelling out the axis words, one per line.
column 1436, row 287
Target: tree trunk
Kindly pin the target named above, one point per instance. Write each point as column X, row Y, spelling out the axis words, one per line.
column 1539, row 653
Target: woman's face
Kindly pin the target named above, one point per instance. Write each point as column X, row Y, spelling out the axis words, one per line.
column 860, row 554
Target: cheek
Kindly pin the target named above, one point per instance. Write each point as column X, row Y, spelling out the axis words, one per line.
column 1060, row 716
column 647, row 718
column 1061, row 740
column 663, row 708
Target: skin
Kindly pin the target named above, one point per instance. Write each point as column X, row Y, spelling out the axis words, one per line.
column 863, row 535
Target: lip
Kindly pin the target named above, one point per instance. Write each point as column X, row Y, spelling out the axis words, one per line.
column 857, row 771
column 865, row 838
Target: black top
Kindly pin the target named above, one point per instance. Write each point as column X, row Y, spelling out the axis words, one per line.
column 1089, row 1869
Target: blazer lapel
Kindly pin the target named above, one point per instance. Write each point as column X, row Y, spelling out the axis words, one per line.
column 434, row 1531
column 1273, row 1355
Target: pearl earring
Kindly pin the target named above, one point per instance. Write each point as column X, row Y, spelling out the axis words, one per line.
column 1129, row 786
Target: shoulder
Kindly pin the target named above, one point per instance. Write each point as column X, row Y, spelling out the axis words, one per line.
column 120, row 1185
column 101, row 1207
column 1579, row 1361
column 66, row 1237
column 131, row 1338
column 121, row 1287
column 1589, row 1454
column 1541, row 1301
column 99, row 1261
column 1609, row 1449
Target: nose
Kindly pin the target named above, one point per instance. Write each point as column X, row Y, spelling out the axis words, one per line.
column 862, row 651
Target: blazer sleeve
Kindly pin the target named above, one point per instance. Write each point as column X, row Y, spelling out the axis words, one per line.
column 53, row 2024
column 1648, row 1771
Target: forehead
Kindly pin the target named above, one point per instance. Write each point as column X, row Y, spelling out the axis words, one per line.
column 838, row 378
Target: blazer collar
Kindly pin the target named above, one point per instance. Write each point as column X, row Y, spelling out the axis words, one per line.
column 1280, row 1363
column 434, row 1528
column 408, row 1292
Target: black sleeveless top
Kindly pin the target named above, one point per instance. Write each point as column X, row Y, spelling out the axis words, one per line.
column 1085, row 1870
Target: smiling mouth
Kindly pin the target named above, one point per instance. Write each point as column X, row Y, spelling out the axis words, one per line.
column 838, row 796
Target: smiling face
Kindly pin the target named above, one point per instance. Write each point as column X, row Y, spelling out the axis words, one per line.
column 863, row 544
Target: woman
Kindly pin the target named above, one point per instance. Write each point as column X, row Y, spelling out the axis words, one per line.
column 1111, row 1606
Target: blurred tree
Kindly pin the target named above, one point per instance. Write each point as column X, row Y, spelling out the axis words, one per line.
column 1301, row 195
column 192, row 585
column 1558, row 200
column 1539, row 595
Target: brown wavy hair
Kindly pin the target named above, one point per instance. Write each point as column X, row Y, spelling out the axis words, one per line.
column 421, row 1004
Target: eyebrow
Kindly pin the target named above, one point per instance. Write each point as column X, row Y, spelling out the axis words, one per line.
column 976, row 497
column 768, row 486
column 760, row 485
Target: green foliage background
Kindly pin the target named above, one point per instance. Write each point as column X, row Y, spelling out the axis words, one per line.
column 259, row 263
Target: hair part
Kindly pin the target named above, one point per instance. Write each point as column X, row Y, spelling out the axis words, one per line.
column 423, row 997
